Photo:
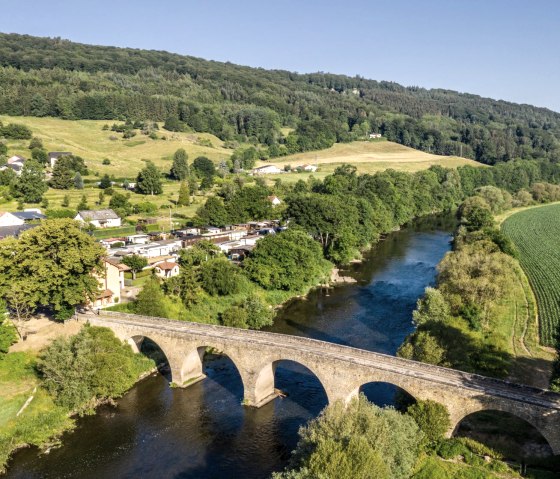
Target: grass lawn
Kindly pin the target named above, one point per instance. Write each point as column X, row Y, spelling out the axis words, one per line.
column 40, row 420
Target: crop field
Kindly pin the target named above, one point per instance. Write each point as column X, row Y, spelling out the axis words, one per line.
column 536, row 233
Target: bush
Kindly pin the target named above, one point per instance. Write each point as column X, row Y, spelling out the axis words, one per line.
column 432, row 418
column 16, row 131
column 235, row 317
column 259, row 314
column 354, row 441
column 219, row 277
column 106, row 162
column 89, row 366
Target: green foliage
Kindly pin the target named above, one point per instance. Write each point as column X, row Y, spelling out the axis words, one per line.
column 40, row 155
column 180, row 169
column 8, row 334
column 184, row 198
column 135, row 263
column 78, row 183
column 89, row 366
column 204, row 167
column 424, row 347
column 355, row 441
column 259, row 313
column 15, row 131
column 62, row 175
column 249, row 204
column 31, row 185
column 432, row 419
column 432, row 307
column 105, row 182
column 120, row 203
column 288, row 261
column 213, row 213
column 219, row 277
column 148, row 181
column 50, row 265
column 151, row 300
column 235, row 317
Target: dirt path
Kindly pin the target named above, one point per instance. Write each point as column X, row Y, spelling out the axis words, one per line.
column 41, row 331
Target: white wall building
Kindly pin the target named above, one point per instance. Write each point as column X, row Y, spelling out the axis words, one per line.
column 8, row 219
column 99, row 218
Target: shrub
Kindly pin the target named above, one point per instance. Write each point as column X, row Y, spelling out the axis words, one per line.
column 219, row 277
column 106, row 162
column 432, row 418
column 234, row 317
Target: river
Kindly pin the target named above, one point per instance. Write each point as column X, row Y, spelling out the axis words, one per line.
column 203, row 431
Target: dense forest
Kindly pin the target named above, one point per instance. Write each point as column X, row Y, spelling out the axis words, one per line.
column 55, row 77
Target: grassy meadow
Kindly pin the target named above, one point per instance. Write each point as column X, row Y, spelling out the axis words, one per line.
column 367, row 157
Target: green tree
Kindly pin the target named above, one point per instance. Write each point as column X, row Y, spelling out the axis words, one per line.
column 148, row 181
column 40, row 155
column 31, row 185
column 432, row 419
column 204, row 167
column 105, row 182
column 120, row 203
column 234, row 317
column 359, row 441
column 184, row 195
column 54, row 263
column 290, row 260
column 8, row 335
column 65, row 201
column 151, row 300
column 135, row 263
column 180, row 168
column 62, row 175
column 432, row 307
column 78, row 182
column 83, row 204
column 35, row 143
column 424, row 347
column 259, row 314
column 213, row 212
column 219, row 277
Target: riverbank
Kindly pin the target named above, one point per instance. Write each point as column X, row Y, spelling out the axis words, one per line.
column 29, row 414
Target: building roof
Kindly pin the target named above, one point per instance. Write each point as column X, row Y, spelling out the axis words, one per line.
column 15, row 231
column 121, row 266
column 166, row 266
column 105, row 294
column 93, row 215
column 16, row 166
column 29, row 215
column 15, row 158
column 58, row 154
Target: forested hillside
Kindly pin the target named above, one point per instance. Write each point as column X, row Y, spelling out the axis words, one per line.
column 54, row 77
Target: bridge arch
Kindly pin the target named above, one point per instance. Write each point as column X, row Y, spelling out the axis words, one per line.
column 385, row 393
column 153, row 348
column 515, row 421
column 263, row 383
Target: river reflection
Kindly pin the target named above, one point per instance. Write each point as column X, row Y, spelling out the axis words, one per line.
column 203, row 431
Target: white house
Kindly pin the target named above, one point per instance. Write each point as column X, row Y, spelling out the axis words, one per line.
column 8, row 219
column 374, row 135
column 14, row 163
column 274, row 200
column 99, row 218
column 138, row 239
column 166, row 269
column 55, row 155
column 267, row 170
column 311, row 168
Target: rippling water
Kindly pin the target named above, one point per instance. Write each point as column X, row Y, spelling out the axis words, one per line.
column 203, row 431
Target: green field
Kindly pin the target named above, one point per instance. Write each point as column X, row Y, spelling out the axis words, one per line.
column 536, row 233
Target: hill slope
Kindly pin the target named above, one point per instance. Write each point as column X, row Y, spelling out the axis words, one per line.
column 54, row 77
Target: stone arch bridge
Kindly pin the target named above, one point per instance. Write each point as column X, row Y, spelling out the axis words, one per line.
column 342, row 370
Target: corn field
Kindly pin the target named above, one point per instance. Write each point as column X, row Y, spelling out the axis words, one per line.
column 536, row 234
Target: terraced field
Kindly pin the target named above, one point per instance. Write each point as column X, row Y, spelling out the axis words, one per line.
column 536, row 233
